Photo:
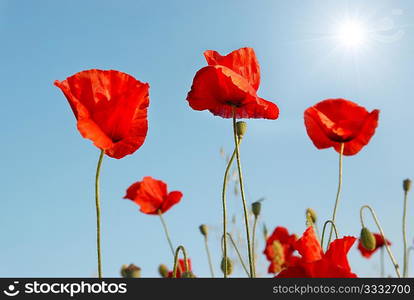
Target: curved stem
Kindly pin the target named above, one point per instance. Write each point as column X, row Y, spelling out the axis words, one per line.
column 210, row 264
column 237, row 251
column 167, row 234
column 374, row 215
column 323, row 232
column 253, row 244
column 98, row 213
column 176, row 266
column 223, row 197
column 246, row 216
column 404, row 230
column 338, row 193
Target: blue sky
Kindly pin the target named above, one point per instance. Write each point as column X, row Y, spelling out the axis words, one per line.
column 47, row 216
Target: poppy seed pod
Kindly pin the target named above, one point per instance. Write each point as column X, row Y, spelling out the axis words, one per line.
column 311, row 214
column 367, row 239
column 229, row 266
column 241, row 128
column 131, row 271
column 256, row 207
column 203, row 229
column 406, row 185
column 163, row 270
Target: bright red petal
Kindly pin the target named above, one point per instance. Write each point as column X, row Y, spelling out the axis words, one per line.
column 171, row 199
column 242, row 61
column 338, row 251
column 308, row 246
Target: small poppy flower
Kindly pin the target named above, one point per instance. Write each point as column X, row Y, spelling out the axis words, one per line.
column 279, row 249
column 316, row 264
column 332, row 122
column 110, row 108
column 379, row 244
column 152, row 196
column 230, row 83
column 181, row 269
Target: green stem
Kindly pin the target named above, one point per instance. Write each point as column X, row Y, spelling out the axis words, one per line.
column 238, row 252
column 209, row 257
column 167, row 234
column 338, row 193
column 98, row 213
column 253, row 244
column 223, row 197
column 246, row 216
column 176, row 265
column 404, row 230
column 374, row 215
column 323, row 232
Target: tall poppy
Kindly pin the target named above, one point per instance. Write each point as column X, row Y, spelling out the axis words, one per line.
column 280, row 246
column 332, row 122
column 152, row 196
column 230, row 83
column 379, row 244
column 110, row 108
column 316, row 264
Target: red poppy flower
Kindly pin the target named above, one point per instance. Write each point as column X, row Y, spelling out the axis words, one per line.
column 231, row 82
column 379, row 244
column 111, row 109
column 316, row 264
column 152, row 196
column 181, row 268
column 279, row 249
column 334, row 121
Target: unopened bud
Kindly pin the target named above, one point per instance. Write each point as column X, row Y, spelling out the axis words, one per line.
column 310, row 213
column 131, row 271
column 367, row 239
column 406, row 185
column 203, row 229
column 241, row 128
column 256, row 207
column 265, row 231
column 229, row 266
column 163, row 270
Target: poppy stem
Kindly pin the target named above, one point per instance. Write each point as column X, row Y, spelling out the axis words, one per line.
column 167, row 234
column 338, row 193
column 374, row 215
column 98, row 213
column 404, row 230
column 323, row 232
column 210, row 264
column 223, row 197
column 177, row 252
column 246, row 215
column 237, row 251
column 253, row 244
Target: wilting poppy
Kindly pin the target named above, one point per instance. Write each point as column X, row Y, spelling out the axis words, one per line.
column 111, row 109
column 379, row 244
column 316, row 264
column 279, row 249
column 332, row 122
column 230, row 83
column 181, row 268
column 152, row 196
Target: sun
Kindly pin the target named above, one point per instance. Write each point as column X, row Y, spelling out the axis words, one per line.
column 352, row 34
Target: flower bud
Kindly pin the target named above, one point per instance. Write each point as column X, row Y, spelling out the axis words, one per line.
column 241, row 128
column 229, row 266
column 203, row 229
column 163, row 270
column 131, row 271
column 406, row 185
column 256, row 207
column 367, row 239
column 310, row 213
column 265, row 232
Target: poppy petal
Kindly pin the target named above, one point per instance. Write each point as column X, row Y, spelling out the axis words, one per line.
column 308, row 246
column 338, row 251
column 173, row 198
